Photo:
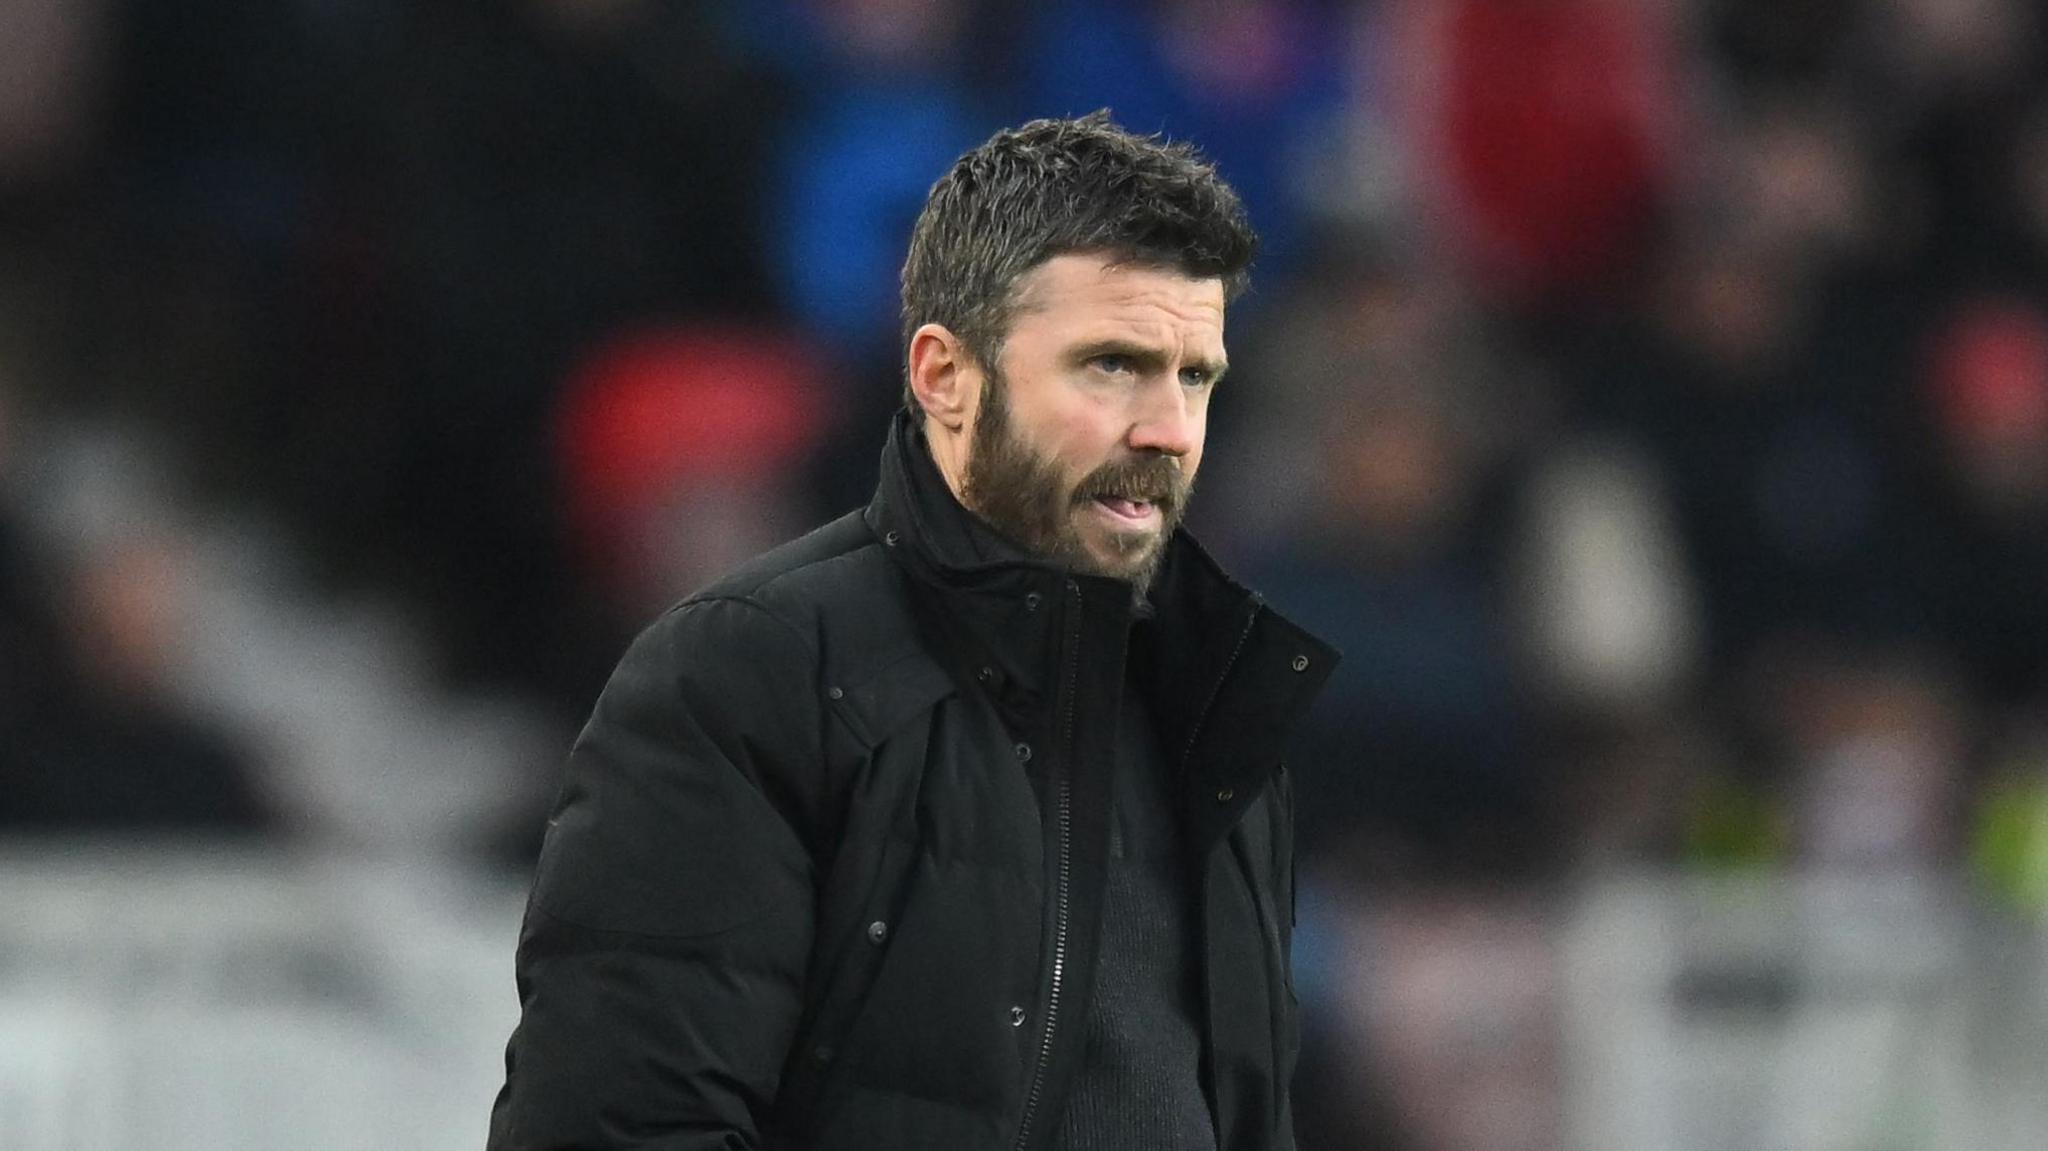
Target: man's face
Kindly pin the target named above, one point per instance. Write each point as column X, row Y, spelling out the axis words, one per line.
column 1089, row 432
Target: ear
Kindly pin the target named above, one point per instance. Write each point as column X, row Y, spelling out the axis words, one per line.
column 944, row 377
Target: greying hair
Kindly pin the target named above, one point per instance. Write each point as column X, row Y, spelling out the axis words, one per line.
column 1052, row 187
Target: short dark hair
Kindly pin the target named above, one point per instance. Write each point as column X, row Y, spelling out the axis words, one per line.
column 1052, row 187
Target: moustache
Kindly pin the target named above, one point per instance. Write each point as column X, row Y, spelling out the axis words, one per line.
column 1155, row 479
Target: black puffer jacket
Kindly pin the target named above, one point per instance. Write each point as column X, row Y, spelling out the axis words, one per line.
column 827, row 867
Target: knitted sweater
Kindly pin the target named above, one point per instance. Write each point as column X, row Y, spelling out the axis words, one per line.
column 1141, row 1086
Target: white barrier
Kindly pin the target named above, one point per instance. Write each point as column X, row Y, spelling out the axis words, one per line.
column 203, row 999
column 213, row 1000
column 1822, row 1013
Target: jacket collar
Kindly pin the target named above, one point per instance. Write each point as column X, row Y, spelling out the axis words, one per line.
column 923, row 510
column 945, row 544
column 995, row 613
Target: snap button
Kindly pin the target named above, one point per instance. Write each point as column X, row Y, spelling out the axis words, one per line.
column 1023, row 751
column 1301, row 663
column 821, row 1054
column 1016, row 1017
column 985, row 674
column 1032, row 600
column 1225, row 795
column 836, row 692
column 891, row 538
column 877, row 931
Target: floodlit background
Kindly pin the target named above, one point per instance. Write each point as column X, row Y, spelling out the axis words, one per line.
column 1649, row 396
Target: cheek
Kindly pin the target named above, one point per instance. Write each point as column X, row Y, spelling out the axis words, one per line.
column 1192, row 462
column 1083, row 436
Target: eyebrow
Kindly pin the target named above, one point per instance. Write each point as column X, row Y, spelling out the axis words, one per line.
column 1152, row 359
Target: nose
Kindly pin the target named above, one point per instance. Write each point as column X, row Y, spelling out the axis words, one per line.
column 1166, row 423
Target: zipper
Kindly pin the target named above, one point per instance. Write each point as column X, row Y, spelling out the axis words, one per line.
column 1063, row 819
column 1251, row 620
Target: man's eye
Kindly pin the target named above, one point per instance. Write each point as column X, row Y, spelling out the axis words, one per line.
column 1112, row 363
column 1194, row 378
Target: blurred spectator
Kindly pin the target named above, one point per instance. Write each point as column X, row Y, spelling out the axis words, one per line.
column 678, row 449
column 1257, row 84
column 91, row 736
column 519, row 183
column 1763, row 394
column 1377, row 457
column 1453, row 997
column 1986, row 543
column 1548, row 133
column 888, row 104
column 1875, row 747
column 1611, row 610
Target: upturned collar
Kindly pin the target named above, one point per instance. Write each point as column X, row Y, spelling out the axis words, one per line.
column 1233, row 675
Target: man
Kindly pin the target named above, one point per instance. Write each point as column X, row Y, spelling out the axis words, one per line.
column 958, row 823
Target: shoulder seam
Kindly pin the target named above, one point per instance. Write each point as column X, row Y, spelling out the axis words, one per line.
column 804, row 641
column 753, row 590
column 764, row 580
column 866, row 545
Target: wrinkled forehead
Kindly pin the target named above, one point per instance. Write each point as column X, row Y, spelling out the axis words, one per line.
column 1104, row 289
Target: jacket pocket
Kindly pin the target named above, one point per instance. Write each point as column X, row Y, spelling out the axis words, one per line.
column 842, row 980
column 859, row 905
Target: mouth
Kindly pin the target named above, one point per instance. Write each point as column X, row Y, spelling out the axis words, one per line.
column 1127, row 511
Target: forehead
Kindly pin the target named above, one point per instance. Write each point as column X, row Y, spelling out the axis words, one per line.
column 1078, row 293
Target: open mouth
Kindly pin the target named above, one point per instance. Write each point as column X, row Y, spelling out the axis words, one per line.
column 1133, row 511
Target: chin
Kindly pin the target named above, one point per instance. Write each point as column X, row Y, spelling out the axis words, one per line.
column 1128, row 562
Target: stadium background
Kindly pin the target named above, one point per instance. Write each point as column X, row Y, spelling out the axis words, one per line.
column 1650, row 396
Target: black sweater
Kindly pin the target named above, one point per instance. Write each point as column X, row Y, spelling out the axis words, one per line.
column 1139, row 1084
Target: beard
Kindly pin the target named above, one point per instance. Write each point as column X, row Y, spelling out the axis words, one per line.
column 1025, row 495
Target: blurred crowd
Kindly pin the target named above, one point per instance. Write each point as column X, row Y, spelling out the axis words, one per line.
column 1650, row 397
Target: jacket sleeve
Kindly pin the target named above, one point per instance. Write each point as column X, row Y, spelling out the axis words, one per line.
column 661, row 965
